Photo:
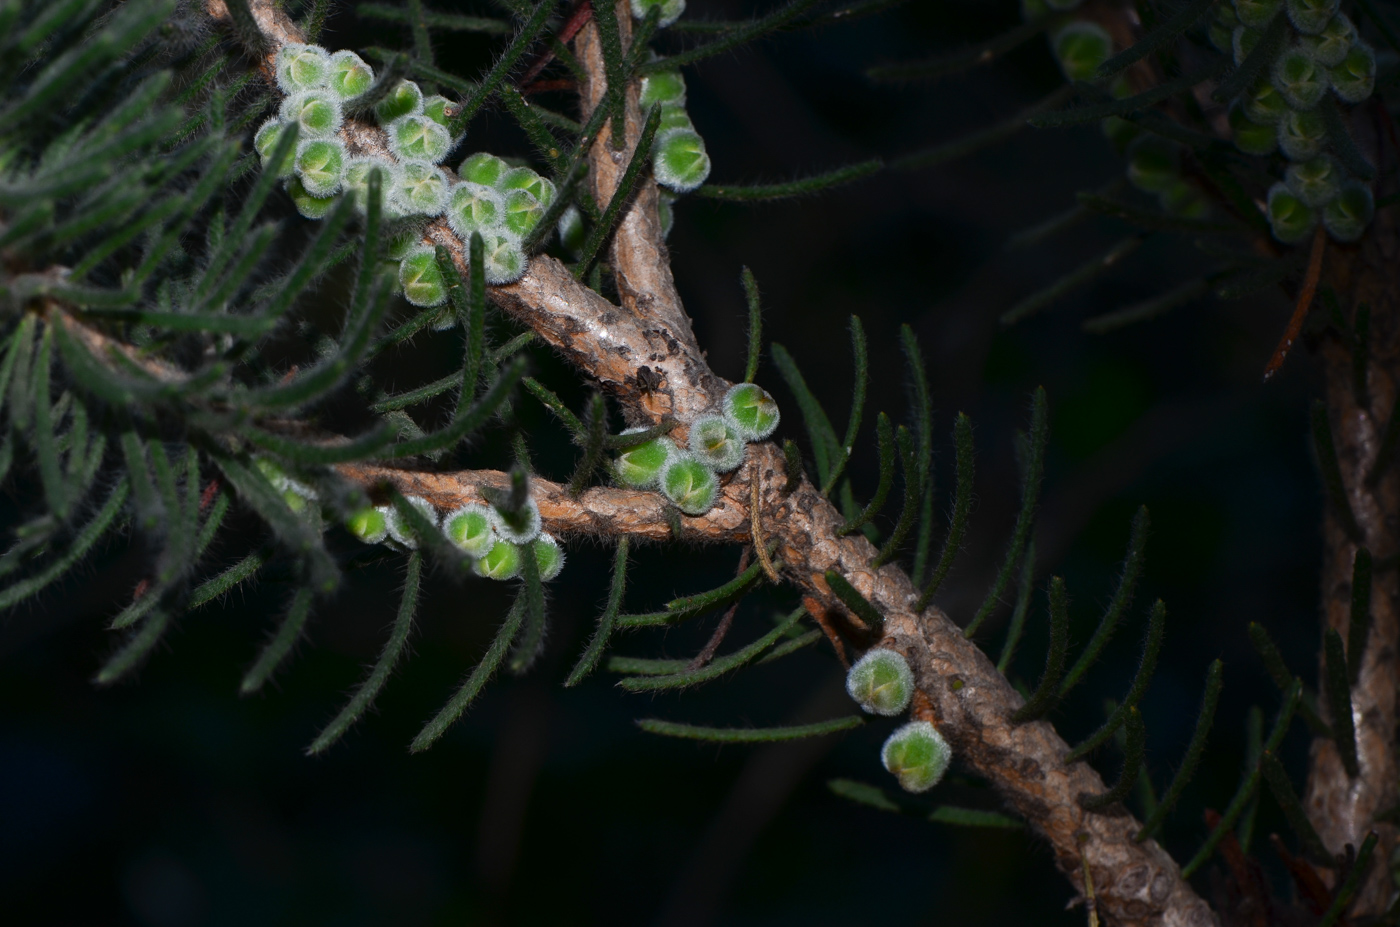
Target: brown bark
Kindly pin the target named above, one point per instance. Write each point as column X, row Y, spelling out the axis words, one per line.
column 1136, row 885
column 1343, row 809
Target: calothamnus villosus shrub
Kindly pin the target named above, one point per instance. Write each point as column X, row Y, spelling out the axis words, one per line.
column 142, row 316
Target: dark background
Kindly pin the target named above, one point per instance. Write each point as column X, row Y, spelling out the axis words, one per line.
column 170, row 801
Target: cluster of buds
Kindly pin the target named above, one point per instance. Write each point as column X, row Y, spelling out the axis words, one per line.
column 882, row 683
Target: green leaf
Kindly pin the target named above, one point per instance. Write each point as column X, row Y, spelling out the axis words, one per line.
column 748, row 735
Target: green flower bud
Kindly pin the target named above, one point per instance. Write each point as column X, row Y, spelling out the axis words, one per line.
column 350, row 77
column 1355, row 78
column 311, row 207
column 1301, row 134
column 439, row 109
column 671, row 10
column 1081, row 47
column 1292, row 219
column 369, row 525
column 321, row 165
column 1299, row 78
column 571, row 233
column 674, row 117
column 917, row 755
column 317, row 113
column 472, row 528
column 640, row 467
column 474, row 207
column 548, row 555
column 680, row 161
column 665, row 212
column 1257, row 13
column 751, row 410
column 1251, row 137
column 1349, row 212
column 302, row 67
column 1330, row 46
column 502, row 561
column 420, row 189
column 523, row 212
column 1312, row 16
column 716, row 442
column 416, row 137
column 1184, row 199
column 403, row 241
column 1264, row 104
column 522, row 178
column 265, row 142
column 483, row 168
column 690, row 484
column 520, row 527
column 421, row 278
column 404, row 100
column 881, row 683
column 1315, row 182
column 662, row 87
column 505, row 260
column 1222, row 35
column 1154, row 163
column 1242, row 42
column 398, row 526
column 357, row 172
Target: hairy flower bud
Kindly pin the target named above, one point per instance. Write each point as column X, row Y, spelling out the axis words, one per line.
column 1311, row 16
column 1300, row 79
column 369, row 525
column 751, row 410
column 1257, row 13
column 716, row 442
column 674, row 117
column 1154, row 163
column 881, row 682
column 265, row 143
column 474, row 207
column 1315, row 182
column 521, row 526
column 357, row 171
column 416, row 137
column 1292, row 219
column 420, row 189
column 1349, row 212
column 502, row 561
column 421, row 278
column 302, row 67
column 483, row 168
column 505, row 260
column 321, row 165
column 640, row 467
column 690, row 484
column 662, row 87
column 1301, row 134
column 472, row 528
column 548, row 555
column 439, row 109
column 1080, row 47
column 680, row 161
column 310, row 207
column 1264, row 104
column 406, row 99
column 1242, row 42
column 671, row 10
column 522, row 178
column 917, row 755
column 316, row 112
column 1355, row 78
column 1249, row 136
column 350, row 78
column 398, row 527
column 1330, row 46
column 523, row 212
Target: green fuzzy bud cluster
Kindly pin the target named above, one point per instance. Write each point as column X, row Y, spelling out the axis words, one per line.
column 503, row 205
column 881, row 682
column 917, row 755
column 678, row 158
column 1283, row 110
